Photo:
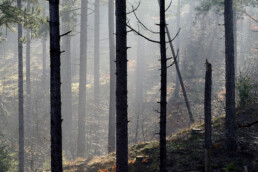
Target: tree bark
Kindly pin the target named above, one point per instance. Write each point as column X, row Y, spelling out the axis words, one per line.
column 83, row 79
column 180, row 79
column 28, row 81
column 163, row 95
column 55, row 88
column 96, row 54
column 66, row 81
column 112, row 103
column 178, row 23
column 44, row 52
column 207, row 117
column 121, row 88
column 231, row 144
column 140, row 69
column 20, row 95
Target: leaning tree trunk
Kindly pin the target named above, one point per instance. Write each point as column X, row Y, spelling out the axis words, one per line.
column 55, row 88
column 178, row 22
column 82, row 82
column 163, row 95
column 112, row 103
column 20, row 95
column 230, row 78
column 121, row 88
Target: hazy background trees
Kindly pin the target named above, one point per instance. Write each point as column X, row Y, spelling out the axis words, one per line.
column 201, row 37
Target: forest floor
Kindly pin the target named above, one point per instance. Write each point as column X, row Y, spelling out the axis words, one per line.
column 185, row 151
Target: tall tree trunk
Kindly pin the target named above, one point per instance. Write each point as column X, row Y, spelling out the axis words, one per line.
column 83, row 79
column 20, row 90
column 96, row 54
column 235, row 37
column 140, row 69
column 96, row 75
column 207, row 117
column 163, row 95
column 121, row 88
column 230, row 78
column 112, row 103
column 55, row 88
column 28, row 83
column 66, row 82
column 178, row 23
column 44, row 52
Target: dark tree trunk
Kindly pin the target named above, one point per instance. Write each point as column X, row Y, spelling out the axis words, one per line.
column 83, row 79
column 121, row 88
column 207, row 117
column 55, row 88
column 112, row 103
column 178, row 23
column 163, row 95
column 20, row 90
column 66, row 82
column 96, row 54
column 230, row 78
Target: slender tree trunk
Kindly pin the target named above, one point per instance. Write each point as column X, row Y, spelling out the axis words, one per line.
column 28, row 83
column 207, row 112
column 163, row 95
column 235, row 37
column 20, row 90
column 83, row 79
column 96, row 76
column 55, row 88
column 180, row 79
column 178, row 23
column 140, row 69
column 96, row 54
column 66, row 82
column 230, row 78
column 112, row 103
column 44, row 52
column 121, row 88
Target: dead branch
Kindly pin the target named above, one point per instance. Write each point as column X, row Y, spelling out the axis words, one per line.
column 247, row 125
column 254, row 19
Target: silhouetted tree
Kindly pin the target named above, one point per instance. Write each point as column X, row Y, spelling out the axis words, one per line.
column 207, row 117
column 83, row 79
column 112, row 103
column 163, row 95
column 230, row 77
column 55, row 88
column 121, row 88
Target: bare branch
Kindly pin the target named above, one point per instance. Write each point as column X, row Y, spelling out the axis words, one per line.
column 65, row 33
column 254, row 19
column 132, row 29
column 134, row 9
column 169, row 6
